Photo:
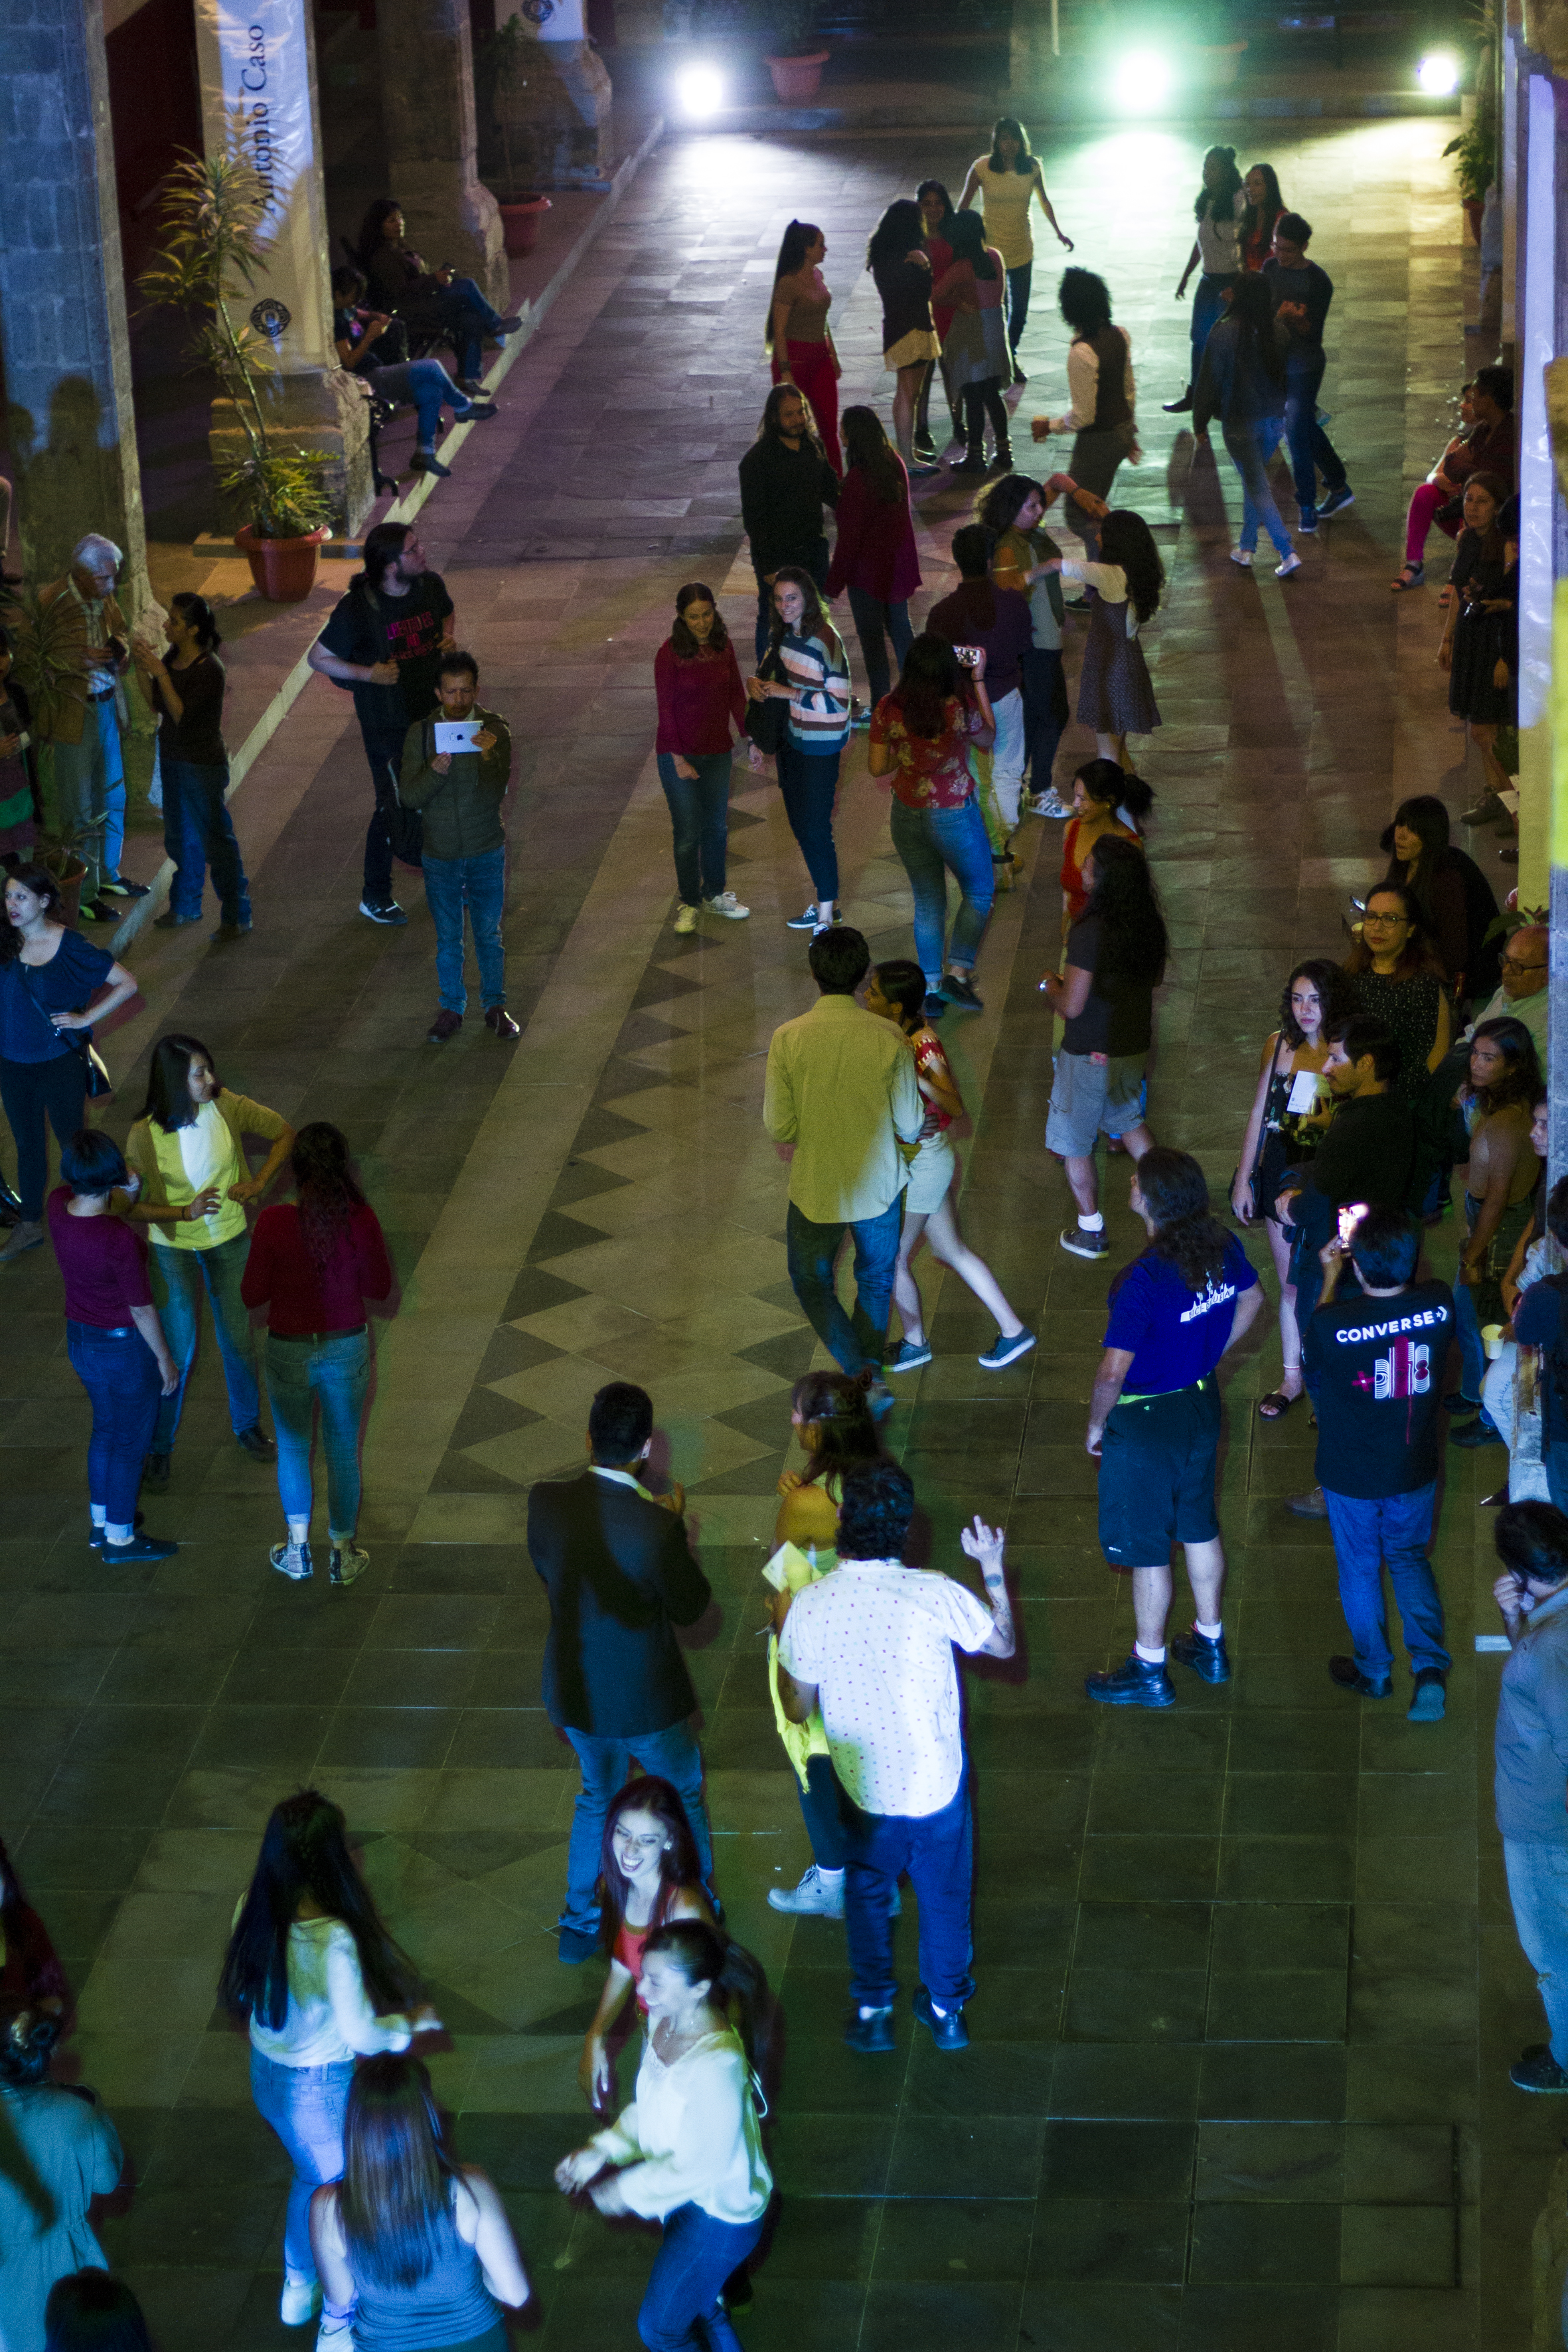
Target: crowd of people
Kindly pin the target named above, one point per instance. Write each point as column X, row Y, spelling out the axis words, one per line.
column 1412, row 1053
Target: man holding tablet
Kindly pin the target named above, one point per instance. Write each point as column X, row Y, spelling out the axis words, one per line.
column 456, row 765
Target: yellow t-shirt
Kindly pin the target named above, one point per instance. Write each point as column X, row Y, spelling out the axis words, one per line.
column 1006, row 197
column 189, row 1160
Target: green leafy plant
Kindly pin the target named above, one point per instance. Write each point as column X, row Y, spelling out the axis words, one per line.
column 1474, row 161
column 501, row 61
column 214, row 246
column 49, row 651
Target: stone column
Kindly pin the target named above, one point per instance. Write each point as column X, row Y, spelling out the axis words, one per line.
column 426, row 57
column 258, row 64
column 70, row 421
column 557, row 109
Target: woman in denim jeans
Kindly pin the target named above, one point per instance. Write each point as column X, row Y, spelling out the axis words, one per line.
column 312, row 1265
column 921, row 736
column 312, row 1971
column 697, row 682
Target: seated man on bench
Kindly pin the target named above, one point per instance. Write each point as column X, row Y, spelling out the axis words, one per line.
column 370, row 344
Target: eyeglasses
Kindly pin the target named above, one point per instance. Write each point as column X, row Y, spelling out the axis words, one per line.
column 1385, row 918
column 1512, row 963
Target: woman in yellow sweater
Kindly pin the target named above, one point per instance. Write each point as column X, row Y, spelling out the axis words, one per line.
column 1006, row 182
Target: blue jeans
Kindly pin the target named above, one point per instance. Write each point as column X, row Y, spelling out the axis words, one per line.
column 198, row 833
column 670, row 1755
column 1250, row 449
column 1019, row 282
column 857, row 1344
column 332, row 1371
column 31, row 1092
column 933, row 843
column 120, row 1377
column 89, row 787
column 809, row 782
column 937, row 1852
column 699, row 813
column 822, row 1809
column 1311, row 447
column 383, row 749
column 1397, row 1528
column 480, row 885
column 1045, row 710
column 875, row 622
column 185, row 1272
column 425, row 386
column 816, row 563
column 305, row 2106
column 681, row 2310
column 1538, row 1890
column 1207, row 306
column 461, row 313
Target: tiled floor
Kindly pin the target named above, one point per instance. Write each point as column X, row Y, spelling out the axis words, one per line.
column 1226, row 2087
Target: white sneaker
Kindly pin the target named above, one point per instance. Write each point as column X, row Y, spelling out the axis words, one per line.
column 820, row 1897
column 727, row 905
column 685, row 918
column 1243, row 556
column 1050, row 804
column 1292, row 564
column 302, row 2300
column 293, row 1561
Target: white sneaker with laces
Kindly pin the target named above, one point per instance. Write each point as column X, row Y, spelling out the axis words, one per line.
column 300, row 2301
column 292, row 1560
column 729, row 906
column 347, row 1562
column 818, row 1896
column 1050, row 804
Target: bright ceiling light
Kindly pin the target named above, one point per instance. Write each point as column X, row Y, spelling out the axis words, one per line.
column 700, row 90
column 1142, row 81
column 1439, row 74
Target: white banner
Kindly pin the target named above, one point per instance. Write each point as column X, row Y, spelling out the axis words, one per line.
column 258, row 80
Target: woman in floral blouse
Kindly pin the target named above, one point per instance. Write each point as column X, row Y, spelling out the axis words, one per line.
column 922, row 737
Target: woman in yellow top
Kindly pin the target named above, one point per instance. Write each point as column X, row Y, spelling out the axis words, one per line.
column 833, row 1425
column 1006, row 181
column 187, row 1152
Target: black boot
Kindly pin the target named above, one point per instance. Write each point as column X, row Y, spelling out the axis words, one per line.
column 1180, row 407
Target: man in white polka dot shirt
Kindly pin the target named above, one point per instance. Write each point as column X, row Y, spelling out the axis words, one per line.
column 872, row 1644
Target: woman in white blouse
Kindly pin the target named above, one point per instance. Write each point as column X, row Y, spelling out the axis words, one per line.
column 688, row 2151
column 313, row 1972
column 1221, row 202
column 1102, row 395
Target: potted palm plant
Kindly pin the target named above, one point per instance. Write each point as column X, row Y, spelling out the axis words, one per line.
column 50, row 660
column 794, row 56
column 501, row 60
column 1475, row 165
column 213, row 247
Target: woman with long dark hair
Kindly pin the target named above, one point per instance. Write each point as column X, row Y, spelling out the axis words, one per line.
column 314, row 1263
column 921, row 736
column 649, row 1872
column 811, row 673
column 1115, row 959
column 1241, row 380
column 48, row 974
column 798, row 337
column 832, row 1419
column 975, row 360
column 187, row 1148
column 873, row 556
column 1100, row 413
column 185, row 691
column 1026, row 558
column 1008, row 182
column 92, row 2312
column 432, row 302
column 314, row 1974
column 1288, row 1121
column 1497, row 1101
column 1114, row 694
column 697, row 681
column 412, row 2248
column 1482, row 689
column 1255, row 234
column 1395, row 977
column 1105, row 802
column 688, row 2150
column 1218, row 210
column 897, row 260
column 1453, row 894
column 61, row 2151
column 937, row 213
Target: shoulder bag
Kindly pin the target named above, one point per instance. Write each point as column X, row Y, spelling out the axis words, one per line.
column 95, row 1070
column 1262, row 1139
column 767, row 722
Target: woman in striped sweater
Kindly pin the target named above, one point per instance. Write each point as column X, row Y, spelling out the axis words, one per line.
column 810, row 671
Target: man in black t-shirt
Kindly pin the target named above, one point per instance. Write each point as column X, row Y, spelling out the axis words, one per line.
column 1367, row 1159
column 1377, row 1360
column 385, row 639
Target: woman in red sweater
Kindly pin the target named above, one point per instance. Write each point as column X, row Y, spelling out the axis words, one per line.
column 873, row 556
column 698, row 681
column 314, row 1263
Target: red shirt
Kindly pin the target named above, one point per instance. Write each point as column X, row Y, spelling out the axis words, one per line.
column 301, row 1296
column 104, row 1263
column 875, row 549
column 699, row 694
column 932, row 770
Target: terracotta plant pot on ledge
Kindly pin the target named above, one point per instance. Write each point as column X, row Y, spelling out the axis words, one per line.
column 797, row 80
column 283, row 570
column 522, row 221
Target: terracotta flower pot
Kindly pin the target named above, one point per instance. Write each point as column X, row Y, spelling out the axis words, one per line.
column 522, row 223
column 284, row 570
column 797, row 80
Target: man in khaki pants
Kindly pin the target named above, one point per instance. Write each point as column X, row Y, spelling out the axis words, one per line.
column 88, row 761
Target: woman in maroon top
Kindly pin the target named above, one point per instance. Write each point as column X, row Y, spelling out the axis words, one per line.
column 314, row 1263
column 31, row 1976
column 875, row 555
column 113, row 1337
column 698, row 681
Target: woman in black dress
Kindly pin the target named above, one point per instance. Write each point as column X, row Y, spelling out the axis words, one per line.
column 897, row 260
column 1482, row 689
column 1456, row 897
column 1395, row 976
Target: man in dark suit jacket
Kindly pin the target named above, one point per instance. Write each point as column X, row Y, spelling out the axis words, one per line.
column 620, row 1576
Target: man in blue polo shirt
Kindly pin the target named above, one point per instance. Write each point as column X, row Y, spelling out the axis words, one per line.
column 1154, row 1423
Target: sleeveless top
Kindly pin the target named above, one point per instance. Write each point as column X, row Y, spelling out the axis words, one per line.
column 807, row 319
column 1111, row 405
column 1005, row 197
column 450, row 2304
column 929, row 1055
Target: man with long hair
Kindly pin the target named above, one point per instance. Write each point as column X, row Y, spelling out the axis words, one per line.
column 786, row 482
column 1155, row 1421
column 384, row 640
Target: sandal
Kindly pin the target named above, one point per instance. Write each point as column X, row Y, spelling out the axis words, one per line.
column 1276, row 1404
column 1412, row 576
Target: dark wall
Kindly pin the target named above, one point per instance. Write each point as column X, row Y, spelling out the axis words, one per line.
column 154, row 100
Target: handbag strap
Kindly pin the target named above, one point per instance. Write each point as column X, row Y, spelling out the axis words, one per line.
column 1263, row 1121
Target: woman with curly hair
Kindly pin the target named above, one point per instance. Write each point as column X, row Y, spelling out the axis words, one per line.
column 313, row 1264
column 1218, row 210
column 798, row 337
column 1114, row 695
column 1284, row 1129
column 1396, row 978
column 898, row 261
column 648, row 1873
column 810, row 671
column 1497, row 1101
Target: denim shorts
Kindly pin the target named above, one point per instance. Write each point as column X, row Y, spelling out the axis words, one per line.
column 1090, row 1093
column 932, row 1172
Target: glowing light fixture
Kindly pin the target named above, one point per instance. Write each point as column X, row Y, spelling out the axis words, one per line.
column 1439, row 74
column 1142, row 81
column 700, row 90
